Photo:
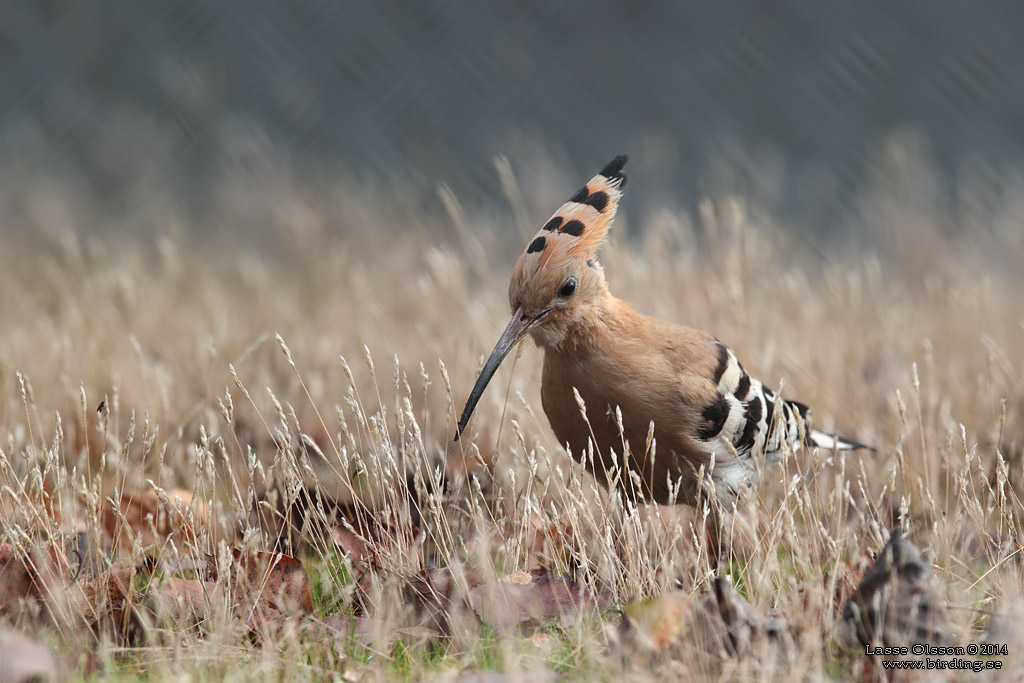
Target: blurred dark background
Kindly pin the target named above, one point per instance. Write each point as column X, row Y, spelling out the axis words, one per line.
column 123, row 109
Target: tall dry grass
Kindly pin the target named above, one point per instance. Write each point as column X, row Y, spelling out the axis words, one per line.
column 335, row 360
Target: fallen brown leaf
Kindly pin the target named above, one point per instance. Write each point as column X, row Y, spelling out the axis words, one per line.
column 363, row 539
column 659, row 622
column 444, row 584
column 517, row 599
column 278, row 580
column 267, row 588
column 524, row 599
column 108, row 602
column 182, row 599
column 31, row 576
column 153, row 518
column 349, row 542
column 16, row 580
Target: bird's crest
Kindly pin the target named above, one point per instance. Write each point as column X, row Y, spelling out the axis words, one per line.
column 580, row 226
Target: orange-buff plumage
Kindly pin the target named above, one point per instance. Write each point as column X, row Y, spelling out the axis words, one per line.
column 706, row 410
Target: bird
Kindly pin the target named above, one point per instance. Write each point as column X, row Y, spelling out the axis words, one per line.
column 615, row 378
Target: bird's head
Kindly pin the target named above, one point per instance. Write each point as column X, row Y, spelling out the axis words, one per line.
column 558, row 279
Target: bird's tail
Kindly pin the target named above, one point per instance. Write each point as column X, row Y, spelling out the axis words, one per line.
column 834, row 442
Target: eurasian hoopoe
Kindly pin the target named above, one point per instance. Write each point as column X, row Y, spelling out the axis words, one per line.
column 705, row 408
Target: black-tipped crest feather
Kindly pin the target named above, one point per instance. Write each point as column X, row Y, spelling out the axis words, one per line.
column 613, row 171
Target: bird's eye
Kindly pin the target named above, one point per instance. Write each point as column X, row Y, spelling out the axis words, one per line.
column 568, row 289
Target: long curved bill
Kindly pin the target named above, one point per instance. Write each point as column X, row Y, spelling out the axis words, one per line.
column 514, row 332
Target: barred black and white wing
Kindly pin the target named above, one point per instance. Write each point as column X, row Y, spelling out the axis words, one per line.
column 752, row 419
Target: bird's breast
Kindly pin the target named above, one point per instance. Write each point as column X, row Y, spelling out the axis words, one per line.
column 646, row 387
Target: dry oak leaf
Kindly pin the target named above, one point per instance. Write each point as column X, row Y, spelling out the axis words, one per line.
column 351, row 544
column 268, row 588
column 517, row 599
column 154, row 518
column 280, row 580
column 531, row 599
column 108, row 602
column 178, row 598
column 363, row 539
column 30, row 576
column 265, row 587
